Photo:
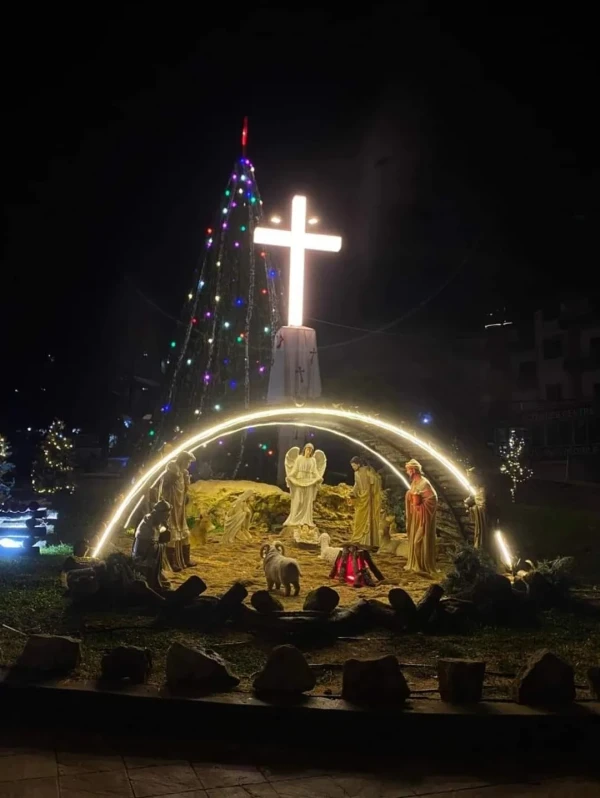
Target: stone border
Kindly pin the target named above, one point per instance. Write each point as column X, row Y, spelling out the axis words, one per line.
column 308, row 721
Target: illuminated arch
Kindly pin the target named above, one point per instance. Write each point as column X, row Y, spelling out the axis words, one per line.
column 326, row 419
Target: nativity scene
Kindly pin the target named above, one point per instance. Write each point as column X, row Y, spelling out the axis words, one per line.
column 343, row 534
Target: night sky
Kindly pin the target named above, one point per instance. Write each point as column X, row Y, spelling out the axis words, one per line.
column 456, row 155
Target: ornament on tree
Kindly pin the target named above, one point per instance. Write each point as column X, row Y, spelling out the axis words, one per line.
column 221, row 356
column 52, row 472
column 513, row 454
column 7, row 481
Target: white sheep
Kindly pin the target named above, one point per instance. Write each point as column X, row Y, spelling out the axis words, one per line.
column 279, row 569
column 328, row 553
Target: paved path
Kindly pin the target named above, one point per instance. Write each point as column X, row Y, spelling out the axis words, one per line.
column 82, row 768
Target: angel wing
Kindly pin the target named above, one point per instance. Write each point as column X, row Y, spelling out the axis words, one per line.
column 290, row 459
column 321, row 461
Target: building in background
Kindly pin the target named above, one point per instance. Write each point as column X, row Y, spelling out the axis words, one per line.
column 541, row 376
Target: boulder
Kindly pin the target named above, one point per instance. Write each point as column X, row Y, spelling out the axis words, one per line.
column 383, row 615
column 401, row 601
column 50, row 654
column 231, row 600
column 286, row 671
column 594, row 682
column 187, row 592
column 545, row 680
column 127, row 662
column 403, row 605
column 265, row 602
column 428, row 604
column 323, row 599
column 541, row 591
column 374, row 681
column 460, row 680
column 198, row 667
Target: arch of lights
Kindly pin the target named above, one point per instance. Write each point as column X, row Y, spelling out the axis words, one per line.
column 314, row 417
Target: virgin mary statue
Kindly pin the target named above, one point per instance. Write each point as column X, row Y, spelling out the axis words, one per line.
column 304, row 475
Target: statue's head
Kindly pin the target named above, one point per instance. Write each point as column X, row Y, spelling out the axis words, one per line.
column 308, row 450
column 185, row 459
column 413, row 467
column 160, row 512
column 356, row 463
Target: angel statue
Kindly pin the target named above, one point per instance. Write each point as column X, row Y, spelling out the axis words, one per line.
column 304, row 475
column 237, row 520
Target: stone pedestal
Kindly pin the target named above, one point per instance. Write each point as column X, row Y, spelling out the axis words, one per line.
column 294, row 377
column 295, row 370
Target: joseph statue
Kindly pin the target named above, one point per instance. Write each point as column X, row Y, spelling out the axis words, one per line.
column 421, row 510
column 367, row 504
column 174, row 490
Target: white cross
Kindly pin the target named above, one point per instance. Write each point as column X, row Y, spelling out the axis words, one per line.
column 298, row 240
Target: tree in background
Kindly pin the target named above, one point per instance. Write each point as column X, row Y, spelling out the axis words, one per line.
column 218, row 361
column 7, row 481
column 53, row 470
column 513, row 466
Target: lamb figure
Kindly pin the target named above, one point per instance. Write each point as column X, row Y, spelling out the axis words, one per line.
column 279, row 569
column 389, row 542
column 328, row 553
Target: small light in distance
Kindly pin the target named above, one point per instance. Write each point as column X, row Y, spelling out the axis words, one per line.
column 313, row 220
column 275, row 219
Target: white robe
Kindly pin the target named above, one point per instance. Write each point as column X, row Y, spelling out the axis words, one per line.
column 304, row 482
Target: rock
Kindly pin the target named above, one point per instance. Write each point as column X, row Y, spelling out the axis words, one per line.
column 428, row 604
column 401, row 601
column 264, row 602
column 127, row 662
column 453, row 616
column 50, row 654
column 140, row 592
column 403, row 605
column 286, row 671
column 323, row 599
column 187, row 592
column 198, row 667
column 545, row 680
column 384, row 615
column 231, row 600
column 374, row 680
column 541, row 591
column 460, row 680
column 594, row 682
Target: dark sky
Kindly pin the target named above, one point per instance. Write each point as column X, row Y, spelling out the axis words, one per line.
column 456, row 154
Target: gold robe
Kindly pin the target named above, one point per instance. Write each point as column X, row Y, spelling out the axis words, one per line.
column 367, row 507
column 421, row 509
column 174, row 489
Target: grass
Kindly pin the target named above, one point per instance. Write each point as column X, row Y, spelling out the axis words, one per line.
column 32, row 602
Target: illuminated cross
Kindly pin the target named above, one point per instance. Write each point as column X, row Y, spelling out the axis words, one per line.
column 298, row 240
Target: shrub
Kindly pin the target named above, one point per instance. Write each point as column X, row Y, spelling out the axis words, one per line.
column 471, row 567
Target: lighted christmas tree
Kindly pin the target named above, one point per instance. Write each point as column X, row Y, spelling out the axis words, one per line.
column 52, row 472
column 513, row 466
column 7, row 480
column 219, row 360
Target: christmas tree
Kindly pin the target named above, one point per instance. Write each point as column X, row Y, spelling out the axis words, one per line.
column 512, row 454
column 7, row 481
column 219, row 360
column 53, row 470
